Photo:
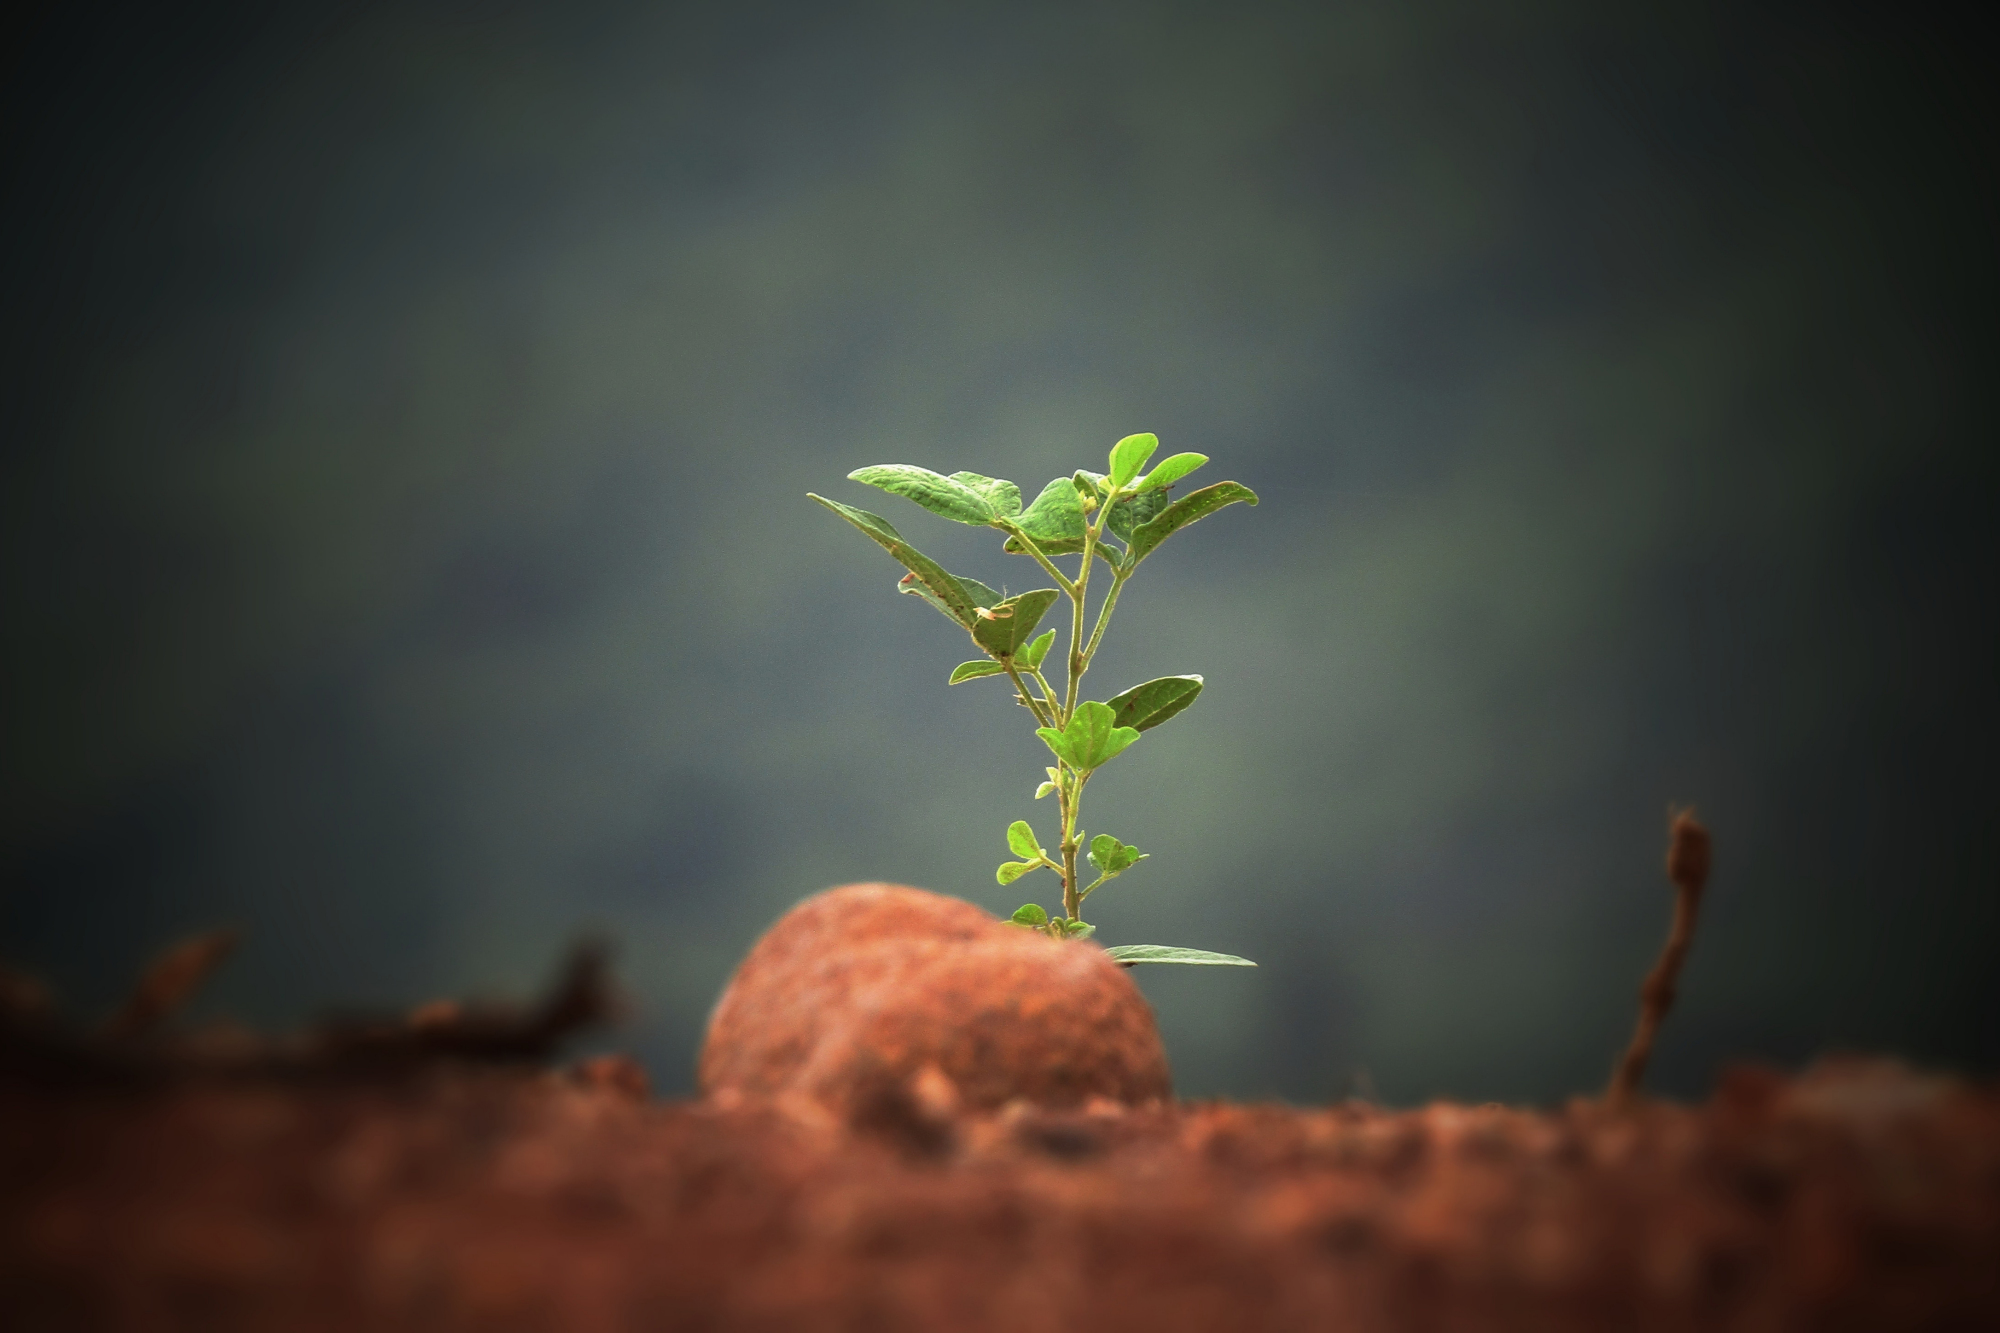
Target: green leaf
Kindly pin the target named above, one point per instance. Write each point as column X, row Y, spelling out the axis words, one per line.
column 1190, row 508
column 1013, row 621
column 1112, row 857
column 1044, row 790
column 946, row 496
column 1079, row 930
column 1010, row 871
column 1133, row 510
column 1054, row 521
column 1029, row 914
column 939, row 588
column 1004, row 496
column 1021, row 840
column 965, row 671
column 1144, row 707
column 1132, row 954
column 1092, row 738
column 1032, row 655
column 1169, row 471
column 977, row 593
column 1129, row 455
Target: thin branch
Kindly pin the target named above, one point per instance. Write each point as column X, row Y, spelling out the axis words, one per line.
column 1688, row 857
column 1104, row 617
column 1028, row 544
column 1027, row 698
column 169, row 982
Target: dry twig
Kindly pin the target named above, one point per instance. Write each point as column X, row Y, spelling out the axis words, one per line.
column 170, row 982
column 1687, row 867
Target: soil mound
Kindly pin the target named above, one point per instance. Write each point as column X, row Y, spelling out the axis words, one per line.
column 887, row 1001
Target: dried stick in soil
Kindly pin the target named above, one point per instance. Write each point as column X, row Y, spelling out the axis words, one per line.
column 170, row 982
column 1687, row 867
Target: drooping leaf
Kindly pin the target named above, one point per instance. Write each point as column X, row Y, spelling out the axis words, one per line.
column 943, row 591
column 1130, row 454
column 1092, row 739
column 1144, row 707
column 1021, row 840
column 1010, row 871
column 1054, row 521
column 945, row 496
column 975, row 592
column 1030, row 914
column 1169, row 471
column 1004, row 496
column 1133, row 510
column 1031, row 656
column 1112, row 857
column 1133, row 954
column 1013, row 621
column 965, row 671
column 1079, row 930
column 1190, row 508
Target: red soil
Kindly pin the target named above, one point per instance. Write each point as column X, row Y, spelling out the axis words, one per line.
column 1859, row 1197
column 889, row 1144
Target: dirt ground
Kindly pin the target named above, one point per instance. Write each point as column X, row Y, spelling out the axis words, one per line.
column 451, row 1194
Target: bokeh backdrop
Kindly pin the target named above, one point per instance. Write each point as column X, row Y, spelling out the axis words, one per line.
column 409, row 411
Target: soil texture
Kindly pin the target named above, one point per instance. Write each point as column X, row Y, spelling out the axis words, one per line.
column 464, row 1196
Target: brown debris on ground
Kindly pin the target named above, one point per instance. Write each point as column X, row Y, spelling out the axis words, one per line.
column 38, row 1045
column 1860, row 1196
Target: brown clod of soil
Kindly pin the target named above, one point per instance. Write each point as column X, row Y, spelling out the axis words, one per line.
column 885, row 1003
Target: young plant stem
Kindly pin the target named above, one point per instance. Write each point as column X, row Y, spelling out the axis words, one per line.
column 1687, row 866
column 1028, row 699
column 1104, row 615
column 1041, row 557
column 1079, row 660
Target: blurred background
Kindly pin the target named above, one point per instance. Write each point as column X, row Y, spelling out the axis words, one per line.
column 408, row 412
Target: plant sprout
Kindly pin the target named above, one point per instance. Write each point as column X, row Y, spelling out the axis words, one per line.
column 1117, row 518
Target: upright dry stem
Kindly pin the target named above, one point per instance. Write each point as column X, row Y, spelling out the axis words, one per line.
column 1687, row 867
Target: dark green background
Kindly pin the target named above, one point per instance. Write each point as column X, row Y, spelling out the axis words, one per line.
column 408, row 414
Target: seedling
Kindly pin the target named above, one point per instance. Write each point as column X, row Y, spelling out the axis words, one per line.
column 1118, row 518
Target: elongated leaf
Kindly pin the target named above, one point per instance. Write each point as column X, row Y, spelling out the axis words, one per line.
column 1190, row 508
column 975, row 592
column 1092, row 738
column 1004, row 496
column 965, row 671
column 1014, row 620
column 1032, row 655
column 1169, row 471
column 1021, row 840
column 1112, row 857
column 1030, row 914
column 1144, row 707
column 1010, row 871
column 1130, row 454
column 1054, row 520
column 1044, row 790
column 1133, row 954
column 946, row 496
column 945, row 592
